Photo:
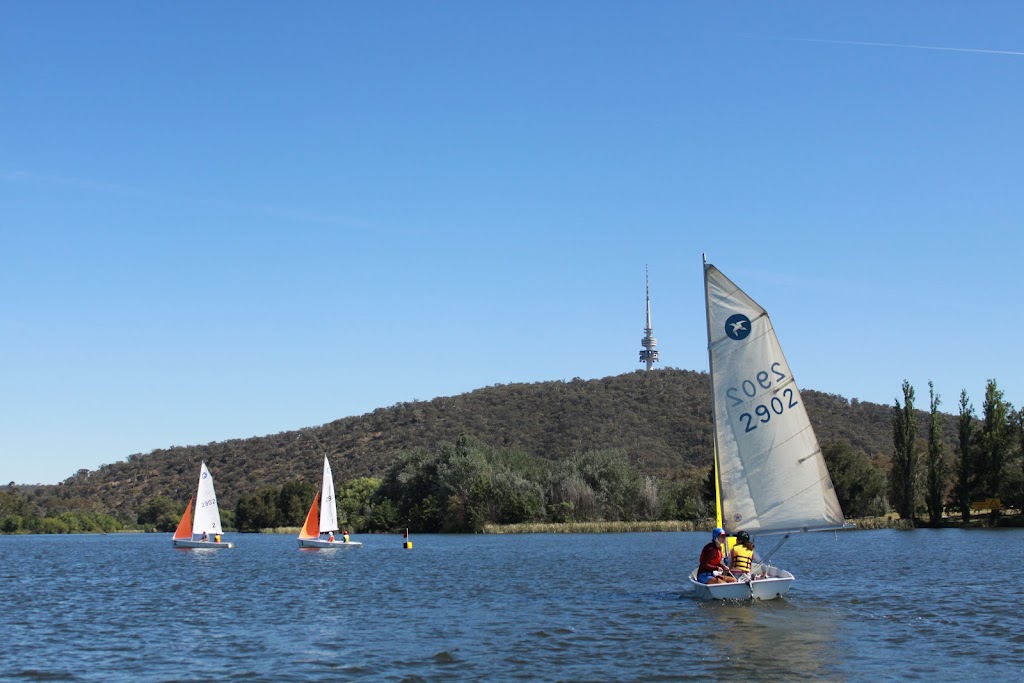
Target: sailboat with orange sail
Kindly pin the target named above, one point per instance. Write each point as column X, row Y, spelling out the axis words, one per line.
column 202, row 529
column 322, row 519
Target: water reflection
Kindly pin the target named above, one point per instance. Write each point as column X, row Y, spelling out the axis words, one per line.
column 775, row 637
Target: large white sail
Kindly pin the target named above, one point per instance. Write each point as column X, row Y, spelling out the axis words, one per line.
column 772, row 475
column 207, row 514
column 328, row 506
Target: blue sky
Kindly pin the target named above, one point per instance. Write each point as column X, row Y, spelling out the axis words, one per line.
column 233, row 219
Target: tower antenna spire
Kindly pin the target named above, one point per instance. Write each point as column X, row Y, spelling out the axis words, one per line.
column 648, row 354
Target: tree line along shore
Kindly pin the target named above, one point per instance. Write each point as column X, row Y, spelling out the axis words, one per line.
column 935, row 469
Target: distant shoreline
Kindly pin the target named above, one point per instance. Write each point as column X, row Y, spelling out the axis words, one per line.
column 1009, row 519
column 863, row 524
column 633, row 527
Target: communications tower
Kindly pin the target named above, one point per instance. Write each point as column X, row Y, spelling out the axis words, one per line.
column 649, row 354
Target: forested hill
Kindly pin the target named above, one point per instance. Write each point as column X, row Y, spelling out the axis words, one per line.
column 661, row 419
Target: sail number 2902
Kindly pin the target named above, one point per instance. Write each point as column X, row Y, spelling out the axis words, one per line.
column 763, row 380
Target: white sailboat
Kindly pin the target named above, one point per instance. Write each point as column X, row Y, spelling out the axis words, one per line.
column 771, row 477
column 322, row 519
column 203, row 530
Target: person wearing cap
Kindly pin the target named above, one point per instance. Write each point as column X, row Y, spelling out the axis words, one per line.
column 741, row 559
column 712, row 568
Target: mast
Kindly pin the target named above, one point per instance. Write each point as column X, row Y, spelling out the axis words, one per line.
column 649, row 354
column 714, row 419
column 328, row 501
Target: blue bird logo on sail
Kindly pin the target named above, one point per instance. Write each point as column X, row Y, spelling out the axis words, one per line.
column 737, row 326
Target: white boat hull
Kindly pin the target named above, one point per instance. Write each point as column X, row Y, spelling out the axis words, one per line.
column 324, row 543
column 208, row 545
column 775, row 585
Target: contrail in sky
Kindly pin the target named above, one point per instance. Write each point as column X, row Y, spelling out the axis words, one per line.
column 908, row 47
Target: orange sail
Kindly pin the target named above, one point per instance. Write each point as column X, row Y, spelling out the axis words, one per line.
column 311, row 529
column 184, row 530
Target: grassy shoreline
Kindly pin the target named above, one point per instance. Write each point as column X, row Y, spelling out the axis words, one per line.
column 890, row 521
column 588, row 527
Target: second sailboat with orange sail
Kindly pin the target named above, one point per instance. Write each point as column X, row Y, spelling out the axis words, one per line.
column 322, row 520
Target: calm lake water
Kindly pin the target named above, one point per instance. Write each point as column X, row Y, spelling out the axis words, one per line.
column 867, row 605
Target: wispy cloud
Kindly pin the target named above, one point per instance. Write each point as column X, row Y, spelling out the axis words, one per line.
column 33, row 178
column 291, row 213
column 860, row 43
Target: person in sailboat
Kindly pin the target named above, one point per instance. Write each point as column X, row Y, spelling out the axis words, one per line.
column 712, row 568
column 344, row 536
column 330, row 537
column 743, row 558
column 205, row 537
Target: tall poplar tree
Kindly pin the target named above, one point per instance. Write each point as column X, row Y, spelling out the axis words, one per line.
column 936, row 492
column 1019, row 424
column 965, row 476
column 995, row 441
column 903, row 477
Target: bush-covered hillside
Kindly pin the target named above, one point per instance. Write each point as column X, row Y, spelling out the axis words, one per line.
column 660, row 419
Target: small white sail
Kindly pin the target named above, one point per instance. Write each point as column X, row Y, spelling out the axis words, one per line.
column 771, row 471
column 207, row 515
column 328, row 506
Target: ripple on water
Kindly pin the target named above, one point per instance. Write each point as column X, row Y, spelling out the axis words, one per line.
column 510, row 608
